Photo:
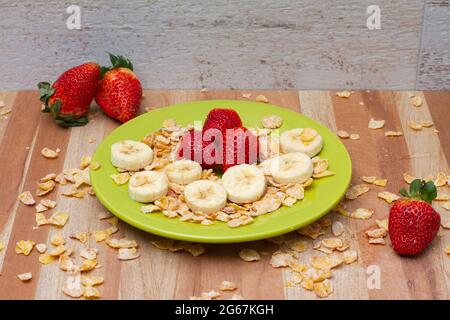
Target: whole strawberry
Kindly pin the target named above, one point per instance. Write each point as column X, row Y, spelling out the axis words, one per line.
column 413, row 223
column 69, row 98
column 119, row 92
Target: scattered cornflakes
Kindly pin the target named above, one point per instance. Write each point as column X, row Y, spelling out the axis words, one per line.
column 24, row 247
column 389, row 197
column 41, row 247
column 416, row 101
column 90, row 280
column 261, row 98
column 441, row 179
column 94, row 165
column 249, row 255
column 281, row 259
column 414, row 125
column 246, row 95
column 227, row 286
column 343, row 94
column 128, row 254
column 356, row 191
column 272, row 122
column 46, row 258
column 88, row 265
column 376, row 124
column 121, row 243
column 58, row 219
column 49, row 153
column 446, row 205
column 26, row 198
column 343, row 134
column 2, row 246
column 121, row 178
column 57, row 240
column 337, row 228
column 85, row 162
column 447, row 249
column 370, row 179
column 354, row 136
column 383, row 223
column 408, row 178
column 393, row 133
column 323, row 289
column 88, row 254
column 25, row 276
column 72, row 286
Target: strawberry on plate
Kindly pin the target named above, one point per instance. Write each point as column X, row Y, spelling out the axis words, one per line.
column 413, row 223
column 69, row 98
column 240, row 146
column 194, row 147
column 222, row 119
column 120, row 92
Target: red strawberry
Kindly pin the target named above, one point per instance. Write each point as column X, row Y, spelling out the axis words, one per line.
column 240, row 146
column 193, row 147
column 222, row 119
column 69, row 98
column 413, row 223
column 120, row 92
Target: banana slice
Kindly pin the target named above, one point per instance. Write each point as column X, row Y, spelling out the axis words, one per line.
column 205, row 195
column 148, row 186
column 293, row 167
column 131, row 155
column 304, row 140
column 244, row 183
column 184, row 171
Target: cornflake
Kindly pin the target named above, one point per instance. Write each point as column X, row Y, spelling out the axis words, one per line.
column 227, row 286
column 25, row 276
column 281, row 259
column 122, row 243
column 376, row 233
column 380, row 182
column 376, row 124
column 121, row 178
column 442, row 197
column 57, row 240
column 2, row 246
column 26, row 198
column 104, row 215
column 414, row 125
column 393, row 133
column 88, row 265
column 89, row 254
column 85, row 162
column 350, row 256
column 94, row 165
column 24, row 247
column 370, row 179
column 46, row 258
column 326, row 262
column 354, row 136
column 128, row 254
column 249, row 255
column 72, row 286
column 58, row 219
column 389, row 197
column 272, row 122
column 49, row 153
column 416, row 101
column 90, row 292
column 90, row 280
column 408, row 178
column 343, row 94
column 246, row 95
column 83, row 237
column 323, row 289
column 41, row 247
column 382, row 223
column 356, row 190
column 337, row 228
column 447, row 249
column 441, row 179
column 261, row 98
column 343, row 134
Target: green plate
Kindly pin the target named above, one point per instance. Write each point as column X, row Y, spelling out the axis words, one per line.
column 320, row 198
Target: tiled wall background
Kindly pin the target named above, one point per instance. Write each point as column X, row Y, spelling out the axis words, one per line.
column 253, row 44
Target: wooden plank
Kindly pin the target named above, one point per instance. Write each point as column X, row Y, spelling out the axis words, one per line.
column 373, row 155
column 16, row 133
column 49, row 135
column 426, row 157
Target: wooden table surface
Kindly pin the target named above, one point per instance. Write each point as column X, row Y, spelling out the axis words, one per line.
column 159, row 274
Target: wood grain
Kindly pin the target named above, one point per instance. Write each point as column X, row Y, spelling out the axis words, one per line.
column 161, row 274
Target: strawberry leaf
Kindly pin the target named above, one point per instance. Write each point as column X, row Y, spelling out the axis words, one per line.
column 45, row 92
column 66, row 120
column 117, row 61
column 420, row 190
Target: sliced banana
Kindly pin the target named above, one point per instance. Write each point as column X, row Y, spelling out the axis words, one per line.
column 244, row 183
column 304, row 140
column 293, row 167
column 148, row 186
column 131, row 155
column 184, row 171
column 205, row 195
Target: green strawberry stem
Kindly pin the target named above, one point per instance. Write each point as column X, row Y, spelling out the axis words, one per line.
column 420, row 190
column 116, row 62
column 65, row 121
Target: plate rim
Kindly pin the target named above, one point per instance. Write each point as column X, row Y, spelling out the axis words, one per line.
column 229, row 239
